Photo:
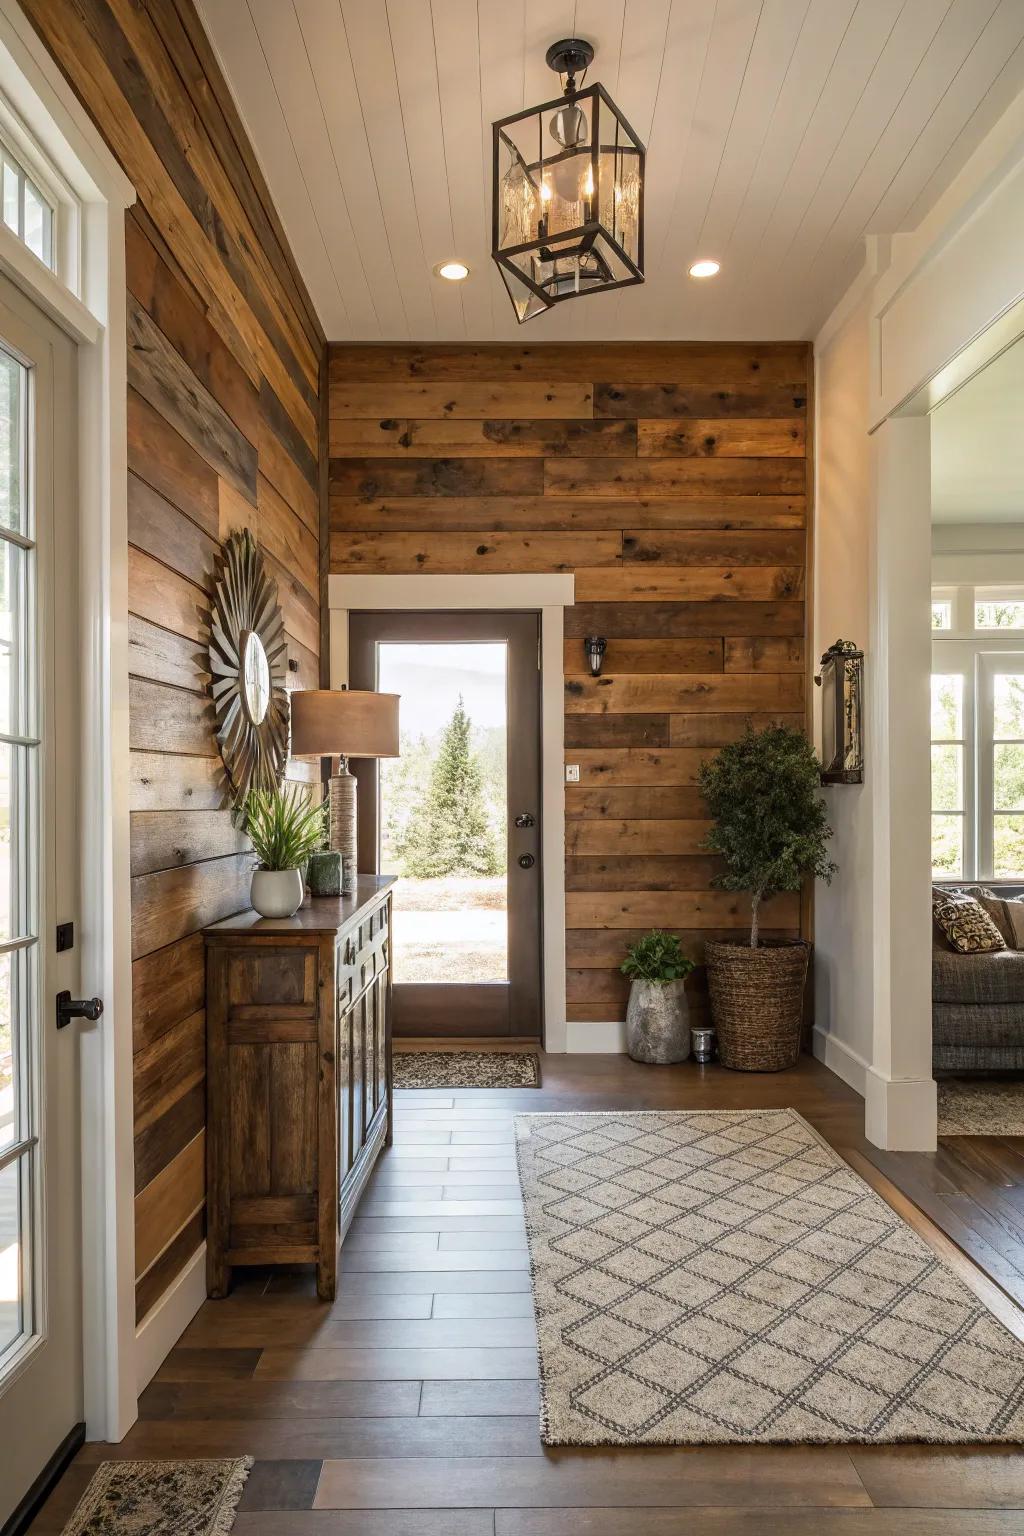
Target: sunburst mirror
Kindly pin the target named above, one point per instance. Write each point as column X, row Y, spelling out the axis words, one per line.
column 248, row 664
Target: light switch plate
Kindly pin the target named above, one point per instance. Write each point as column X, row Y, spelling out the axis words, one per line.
column 572, row 773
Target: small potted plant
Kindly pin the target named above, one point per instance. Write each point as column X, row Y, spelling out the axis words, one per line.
column 284, row 827
column 770, row 827
column 657, row 1016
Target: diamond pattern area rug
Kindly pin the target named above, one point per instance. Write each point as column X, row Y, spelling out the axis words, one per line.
column 724, row 1277
column 466, row 1069
column 161, row 1498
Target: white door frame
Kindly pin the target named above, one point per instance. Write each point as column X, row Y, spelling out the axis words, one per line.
column 94, row 316
column 948, row 303
column 547, row 595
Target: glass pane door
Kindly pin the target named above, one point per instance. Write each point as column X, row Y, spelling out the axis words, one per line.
column 19, row 862
column 457, row 816
column 443, row 811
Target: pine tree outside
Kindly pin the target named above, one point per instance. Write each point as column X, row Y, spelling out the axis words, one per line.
column 443, row 811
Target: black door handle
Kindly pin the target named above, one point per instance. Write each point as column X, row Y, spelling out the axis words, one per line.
column 524, row 819
column 69, row 1008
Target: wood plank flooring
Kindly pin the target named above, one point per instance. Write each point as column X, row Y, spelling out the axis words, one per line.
column 409, row 1406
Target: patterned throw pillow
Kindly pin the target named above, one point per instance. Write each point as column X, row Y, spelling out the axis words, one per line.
column 965, row 923
column 1007, row 912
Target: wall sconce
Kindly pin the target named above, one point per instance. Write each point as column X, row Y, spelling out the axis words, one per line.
column 841, row 681
column 594, row 647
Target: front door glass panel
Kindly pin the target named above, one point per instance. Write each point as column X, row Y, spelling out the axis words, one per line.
column 443, row 811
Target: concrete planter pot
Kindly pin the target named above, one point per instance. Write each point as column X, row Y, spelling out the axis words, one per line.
column 658, row 1022
column 276, row 892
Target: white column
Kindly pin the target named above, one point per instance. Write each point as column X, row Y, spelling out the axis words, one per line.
column 899, row 1090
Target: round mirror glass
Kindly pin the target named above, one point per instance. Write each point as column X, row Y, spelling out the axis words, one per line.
column 255, row 677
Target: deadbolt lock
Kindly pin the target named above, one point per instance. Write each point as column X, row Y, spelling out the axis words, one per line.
column 526, row 861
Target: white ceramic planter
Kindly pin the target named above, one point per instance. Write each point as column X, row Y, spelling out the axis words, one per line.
column 276, row 892
column 658, row 1022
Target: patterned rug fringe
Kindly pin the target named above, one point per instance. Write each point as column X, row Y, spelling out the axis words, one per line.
column 467, row 1069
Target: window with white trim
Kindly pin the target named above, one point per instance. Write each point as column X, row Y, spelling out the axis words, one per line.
column 977, row 733
column 37, row 206
column 26, row 210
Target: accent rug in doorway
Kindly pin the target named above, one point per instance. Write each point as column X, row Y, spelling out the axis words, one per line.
column 725, row 1277
column 161, row 1498
column 466, row 1069
column 980, row 1107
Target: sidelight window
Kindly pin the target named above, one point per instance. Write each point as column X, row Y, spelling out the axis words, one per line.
column 19, row 868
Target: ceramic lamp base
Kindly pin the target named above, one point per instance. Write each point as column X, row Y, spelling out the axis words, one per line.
column 343, row 825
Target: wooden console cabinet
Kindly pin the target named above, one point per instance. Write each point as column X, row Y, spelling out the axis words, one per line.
column 298, row 1031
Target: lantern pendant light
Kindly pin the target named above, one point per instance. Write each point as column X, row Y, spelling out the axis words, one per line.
column 568, row 195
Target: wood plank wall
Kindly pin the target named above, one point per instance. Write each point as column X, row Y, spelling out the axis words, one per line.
column 225, row 358
column 673, row 480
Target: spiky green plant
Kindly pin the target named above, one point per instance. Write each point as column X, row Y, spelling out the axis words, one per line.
column 769, row 819
column 657, row 957
column 284, row 826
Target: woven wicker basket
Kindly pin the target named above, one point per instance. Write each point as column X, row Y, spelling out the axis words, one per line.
column 757, row 1002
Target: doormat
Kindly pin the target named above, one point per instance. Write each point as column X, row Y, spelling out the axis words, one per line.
column 467, row 1069
column 724, row 1277
column 161, row 1498
column 980, row 1107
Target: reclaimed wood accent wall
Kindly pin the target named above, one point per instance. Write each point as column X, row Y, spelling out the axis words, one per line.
column 674, row 481
column 224, row 368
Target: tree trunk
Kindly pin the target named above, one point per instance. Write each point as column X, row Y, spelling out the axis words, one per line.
column 755, row 902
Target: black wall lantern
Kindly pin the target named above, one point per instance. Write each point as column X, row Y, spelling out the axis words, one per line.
column 841, row 681
column 568, row 194
column 595, row 646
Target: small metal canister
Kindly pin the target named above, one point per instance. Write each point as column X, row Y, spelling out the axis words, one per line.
column 702, row 1037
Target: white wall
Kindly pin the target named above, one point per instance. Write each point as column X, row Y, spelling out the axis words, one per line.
column 843, row 926
column 929, row 311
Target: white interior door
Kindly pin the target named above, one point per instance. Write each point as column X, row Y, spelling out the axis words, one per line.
column 40, row 1148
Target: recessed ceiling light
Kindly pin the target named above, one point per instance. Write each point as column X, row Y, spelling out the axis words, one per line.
column 705, row 268
column 454, row 271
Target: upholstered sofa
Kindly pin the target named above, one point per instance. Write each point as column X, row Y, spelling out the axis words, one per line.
column 978, row 1006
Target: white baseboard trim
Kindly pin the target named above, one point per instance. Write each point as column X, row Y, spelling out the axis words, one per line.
column 603, row 1037
column 900, row 1113
column 162, row 1327
column 841, row 1059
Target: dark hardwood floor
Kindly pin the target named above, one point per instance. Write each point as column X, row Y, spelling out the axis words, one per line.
column 409, row 1407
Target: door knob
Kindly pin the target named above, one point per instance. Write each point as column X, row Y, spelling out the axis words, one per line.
column 524, row 819
column 526, row 861
column 69, row 1008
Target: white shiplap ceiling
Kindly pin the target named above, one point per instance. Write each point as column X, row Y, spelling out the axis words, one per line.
column 779, row 133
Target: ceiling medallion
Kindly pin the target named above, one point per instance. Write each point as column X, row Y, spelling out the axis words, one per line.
column 568, row 194
column 248, row 663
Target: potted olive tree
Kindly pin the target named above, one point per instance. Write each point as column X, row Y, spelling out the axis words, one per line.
column 657, row 1017
column 284, row 827
column 770, row 827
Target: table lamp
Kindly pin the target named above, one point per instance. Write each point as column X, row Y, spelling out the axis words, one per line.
column 344, row 723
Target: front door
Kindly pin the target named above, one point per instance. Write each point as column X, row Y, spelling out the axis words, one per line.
column 40, row 1161
column 457, row 816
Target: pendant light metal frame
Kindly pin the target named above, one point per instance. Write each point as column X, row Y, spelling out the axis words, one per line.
column 586, row 234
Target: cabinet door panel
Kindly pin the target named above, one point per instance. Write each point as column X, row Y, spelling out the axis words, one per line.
column 358, row 1076
column 294, row 1119
column 249, row 1090
column 344, row 1071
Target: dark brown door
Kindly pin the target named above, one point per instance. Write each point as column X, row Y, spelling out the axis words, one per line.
column 457, row 817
